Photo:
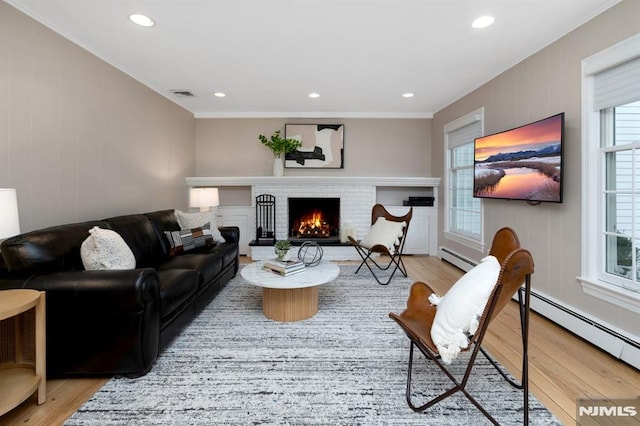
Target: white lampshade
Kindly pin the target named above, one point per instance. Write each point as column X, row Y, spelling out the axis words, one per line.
column 203, row 198
column 9, row 222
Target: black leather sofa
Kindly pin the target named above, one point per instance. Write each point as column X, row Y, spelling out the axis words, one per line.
column 116, row 322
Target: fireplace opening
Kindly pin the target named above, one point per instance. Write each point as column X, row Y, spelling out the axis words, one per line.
column 314, row 219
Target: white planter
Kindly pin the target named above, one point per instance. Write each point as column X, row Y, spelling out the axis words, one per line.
column 278, row 165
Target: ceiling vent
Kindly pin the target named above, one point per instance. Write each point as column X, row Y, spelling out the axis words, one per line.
column 183, row 93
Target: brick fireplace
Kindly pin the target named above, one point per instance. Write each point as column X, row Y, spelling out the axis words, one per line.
column 357, row 196
column 355, row 202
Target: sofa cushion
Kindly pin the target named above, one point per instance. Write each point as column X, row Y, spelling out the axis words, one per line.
column 105, row 249
column 140, row 236
column 228, row 253
column 52, row 249
column 187, row 240
column 177, row 288
column 207, row 265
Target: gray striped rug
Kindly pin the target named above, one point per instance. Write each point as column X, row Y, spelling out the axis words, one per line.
column 345, row 366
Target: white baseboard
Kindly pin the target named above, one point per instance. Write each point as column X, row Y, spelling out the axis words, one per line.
column 456, row 259
column 618, row 343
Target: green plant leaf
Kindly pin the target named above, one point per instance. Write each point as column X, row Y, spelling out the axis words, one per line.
column 279, row 145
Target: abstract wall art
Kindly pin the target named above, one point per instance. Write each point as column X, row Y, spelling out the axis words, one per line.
column 322, row 146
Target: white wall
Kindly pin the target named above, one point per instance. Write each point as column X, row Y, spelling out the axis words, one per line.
column 544, row 84
column 372, row 147
column 79, row 139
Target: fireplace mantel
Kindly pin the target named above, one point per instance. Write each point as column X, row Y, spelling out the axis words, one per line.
column 332, row 180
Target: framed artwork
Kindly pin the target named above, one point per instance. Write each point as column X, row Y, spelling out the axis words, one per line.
column 322, row 146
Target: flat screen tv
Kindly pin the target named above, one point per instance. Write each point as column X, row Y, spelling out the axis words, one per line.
column 524, row 163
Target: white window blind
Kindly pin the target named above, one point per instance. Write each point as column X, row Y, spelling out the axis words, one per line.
column 618, row 85
column 464, row 135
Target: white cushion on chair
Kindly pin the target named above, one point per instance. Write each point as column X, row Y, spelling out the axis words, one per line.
column 460, row 308
column 384, row 232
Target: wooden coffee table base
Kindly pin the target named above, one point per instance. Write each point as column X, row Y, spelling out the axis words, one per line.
column 289, row 304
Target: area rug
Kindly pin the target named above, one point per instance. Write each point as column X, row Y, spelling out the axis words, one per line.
column 344, row 366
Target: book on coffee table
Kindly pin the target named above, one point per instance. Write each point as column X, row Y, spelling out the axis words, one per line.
column 284, row 265
column 284, row 273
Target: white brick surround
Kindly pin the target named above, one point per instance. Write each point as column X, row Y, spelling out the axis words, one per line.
column 355, row 202
column 357, row 197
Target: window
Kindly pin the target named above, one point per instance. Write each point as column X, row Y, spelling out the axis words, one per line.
column 611, row 174
column 463, row 220
column 620, row 153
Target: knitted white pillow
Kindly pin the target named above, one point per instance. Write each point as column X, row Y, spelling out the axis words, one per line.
column 105, row 249
column 460, row 308
column 197, row 220
column 384, row 232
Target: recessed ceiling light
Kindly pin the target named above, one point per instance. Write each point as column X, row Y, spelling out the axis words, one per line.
column 142, row 20
column 483, row 21
column 219, row 95
column 407, row 95
column 314, row 95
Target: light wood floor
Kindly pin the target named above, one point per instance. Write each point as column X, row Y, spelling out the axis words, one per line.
column 562, row 367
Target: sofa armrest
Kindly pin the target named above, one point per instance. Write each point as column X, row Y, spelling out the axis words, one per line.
column 124, row 290
column 100, row 322
column 231, row 234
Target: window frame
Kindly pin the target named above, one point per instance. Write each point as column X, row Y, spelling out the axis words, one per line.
column 460, row 237
column 593, row 256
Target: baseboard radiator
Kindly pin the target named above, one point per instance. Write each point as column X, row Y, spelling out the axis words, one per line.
column 602, row 335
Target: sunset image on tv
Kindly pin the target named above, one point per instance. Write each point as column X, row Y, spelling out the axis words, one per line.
column 523, row 163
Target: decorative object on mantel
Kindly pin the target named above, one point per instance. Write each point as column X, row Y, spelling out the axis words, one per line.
column 265, row 219
column 280, row 147
column 310, row 253
column 322, row 146
column 281, row 249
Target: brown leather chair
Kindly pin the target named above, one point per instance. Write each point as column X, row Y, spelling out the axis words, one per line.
column 367, row 252
column 416, row 320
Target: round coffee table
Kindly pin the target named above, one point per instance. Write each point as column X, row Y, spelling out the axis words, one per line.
column 291, row 298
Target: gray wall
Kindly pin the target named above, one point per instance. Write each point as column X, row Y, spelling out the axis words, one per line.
column 544, row 84
column 372, row 147
column 79, row 139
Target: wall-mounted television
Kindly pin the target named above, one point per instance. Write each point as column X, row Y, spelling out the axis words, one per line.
column 524, row 163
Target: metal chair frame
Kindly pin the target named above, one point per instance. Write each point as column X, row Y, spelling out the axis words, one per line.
column 395, row 257
column 515, row 265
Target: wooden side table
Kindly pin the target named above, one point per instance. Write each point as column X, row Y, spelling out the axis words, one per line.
column 22, row 347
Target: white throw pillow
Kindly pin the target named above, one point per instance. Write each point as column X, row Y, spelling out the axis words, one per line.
column 105, row 249
column 460, row 308
column 384, row 232
column 197, row 220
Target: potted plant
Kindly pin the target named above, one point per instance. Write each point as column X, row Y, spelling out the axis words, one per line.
column 281, row 249
column 280, row 147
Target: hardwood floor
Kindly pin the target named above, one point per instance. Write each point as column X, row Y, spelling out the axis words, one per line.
column 562, row 366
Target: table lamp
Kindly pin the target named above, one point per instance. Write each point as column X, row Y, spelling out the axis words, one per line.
column 203, row 198
column 9, row 222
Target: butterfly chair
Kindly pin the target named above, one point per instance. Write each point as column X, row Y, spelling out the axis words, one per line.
column 516, row 267
column 386, row 237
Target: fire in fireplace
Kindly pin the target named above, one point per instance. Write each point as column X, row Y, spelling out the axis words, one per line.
column 314, row 218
